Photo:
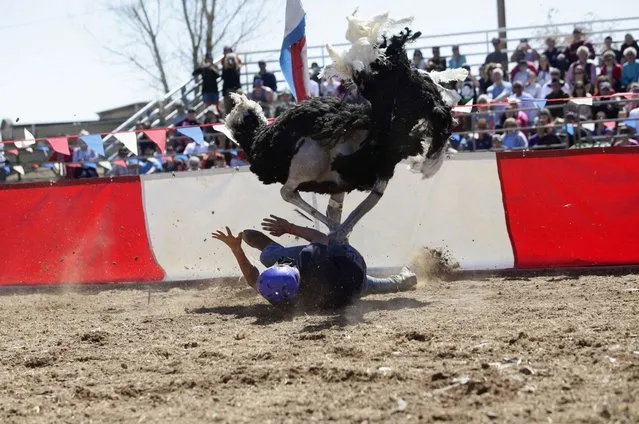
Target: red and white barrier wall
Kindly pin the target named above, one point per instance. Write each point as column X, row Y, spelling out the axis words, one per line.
column 527, row 210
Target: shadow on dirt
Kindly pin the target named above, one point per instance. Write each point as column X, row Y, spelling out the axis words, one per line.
column 353, row 314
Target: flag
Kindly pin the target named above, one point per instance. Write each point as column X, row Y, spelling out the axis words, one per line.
column 129, row 140
column 195, row 133
column 293, row 59
column 95, row 143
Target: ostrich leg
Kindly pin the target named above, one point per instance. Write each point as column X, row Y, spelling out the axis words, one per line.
column 334, row 209
column 293, row 196
column 344, row 230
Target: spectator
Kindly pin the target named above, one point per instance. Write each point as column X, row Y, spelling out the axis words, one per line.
column 587, row 66
column 629, row 41
column 543, row 71
column 211, row 117
column 563, row 64
column 457, row 60
column 210, row 74
column 499, row 91
column 524, row 100
column 630, row 69
column 532, row 87
column 578, row 134
column 609, row 47
column 602, row 131
column 579, row 39
column 122, row 166
column 195, row 163
column 190, row 120
column 513, row 139
column 552, row 52
column 498, row 143
column 482, row 140
column 180, row 114
column 315, row 73
column 524, row 52
column 418, row 60
column 558, row 97
column 484, row 112
column 631, row 109
column 611, row 69
column 484, row 77
column 84, row 157
column 547, row 88
column 512, row 111
column 263, row 95
column 498, row 56
column 604, row 103
column 521, row 73
column 285, row 102
column 194, row 148
column 468, row 88
column 231, row 65
column 267, row 77
column 579, row 91
column 438, row 61
column 545, row 133
column 626, row 137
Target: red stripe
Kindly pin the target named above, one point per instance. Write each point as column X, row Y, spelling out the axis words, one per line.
column 88, row 231
column 299, row 68
column 572, row 208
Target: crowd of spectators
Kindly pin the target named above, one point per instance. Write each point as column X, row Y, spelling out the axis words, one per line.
column 505, row 93
column 509, row 94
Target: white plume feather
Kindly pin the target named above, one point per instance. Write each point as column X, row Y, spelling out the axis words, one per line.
column 450, row 97
column 364, row 36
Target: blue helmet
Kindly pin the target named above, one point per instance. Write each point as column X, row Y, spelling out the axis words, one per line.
column 279, row 283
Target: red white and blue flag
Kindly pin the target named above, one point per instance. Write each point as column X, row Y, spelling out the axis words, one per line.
column 293, row 59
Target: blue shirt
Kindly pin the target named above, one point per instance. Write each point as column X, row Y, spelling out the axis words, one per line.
column 495, row 90
column 457, row 62
column 630, row 73
column 516, row 140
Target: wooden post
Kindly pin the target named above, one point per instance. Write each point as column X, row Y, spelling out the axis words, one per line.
column 501, row 21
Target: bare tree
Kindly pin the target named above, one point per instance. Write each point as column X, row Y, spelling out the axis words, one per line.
column 166, row 37
column 212, row 22
column 143, row 20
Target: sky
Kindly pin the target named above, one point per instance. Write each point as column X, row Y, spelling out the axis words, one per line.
column 57, row 66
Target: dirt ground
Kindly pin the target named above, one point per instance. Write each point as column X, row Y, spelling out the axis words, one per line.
column 501, row 349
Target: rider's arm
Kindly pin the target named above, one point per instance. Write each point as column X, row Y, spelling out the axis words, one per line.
column 249, row 271
column 309, row 234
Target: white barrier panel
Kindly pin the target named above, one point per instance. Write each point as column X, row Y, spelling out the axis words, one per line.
column 460, row 211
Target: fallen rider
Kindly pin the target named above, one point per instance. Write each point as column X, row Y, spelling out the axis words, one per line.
column 318, row 275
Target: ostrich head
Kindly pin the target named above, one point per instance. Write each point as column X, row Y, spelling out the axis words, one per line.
column 244, row 120
column 244, row 109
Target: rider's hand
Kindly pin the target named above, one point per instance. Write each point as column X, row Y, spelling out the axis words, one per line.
column 276, row 226
column 233, row 242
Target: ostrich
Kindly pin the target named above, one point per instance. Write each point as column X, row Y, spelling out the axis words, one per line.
column 326, row 146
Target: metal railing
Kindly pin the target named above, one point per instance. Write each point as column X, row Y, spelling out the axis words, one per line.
column 475, row 45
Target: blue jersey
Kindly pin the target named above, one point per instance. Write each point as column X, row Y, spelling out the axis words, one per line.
column 330, row 276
